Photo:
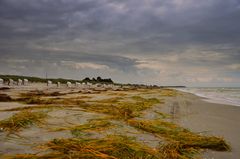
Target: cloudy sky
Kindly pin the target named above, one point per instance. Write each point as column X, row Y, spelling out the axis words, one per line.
column 165, row 42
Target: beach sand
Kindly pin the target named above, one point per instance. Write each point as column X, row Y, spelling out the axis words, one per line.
column 193, row 112
column 186, row 109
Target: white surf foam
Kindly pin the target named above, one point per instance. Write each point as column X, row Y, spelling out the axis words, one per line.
column 229, row 96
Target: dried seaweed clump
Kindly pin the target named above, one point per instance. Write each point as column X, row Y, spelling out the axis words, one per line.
column 5, row 98
column 51, row 101
column 168, row 92
column 41, row 93
column 133, row 109
column 111, row 147
column 22, row 119
column 181, row 143
column 94, row 125
column 121, row 109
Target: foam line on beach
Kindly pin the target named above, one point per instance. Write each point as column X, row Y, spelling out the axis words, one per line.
column 214, row 96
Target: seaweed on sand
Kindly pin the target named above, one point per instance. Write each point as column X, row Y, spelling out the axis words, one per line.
column 49, row 101
column 111, row 147
column 40, row 97
column 31, row 108
column 162, row 115
column 92, row 125
column 181, row 143
column 5, row 98
column 121, row 109
column 22, row 119
column 112, row 106
column 168, row 92
column 40, row 93
column 112, row 100
column 133, row 109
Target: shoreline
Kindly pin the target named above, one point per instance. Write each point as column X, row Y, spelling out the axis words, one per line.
column 213, row 99
column 197, row 114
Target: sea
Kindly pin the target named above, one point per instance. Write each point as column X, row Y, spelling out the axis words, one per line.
column 222, row 95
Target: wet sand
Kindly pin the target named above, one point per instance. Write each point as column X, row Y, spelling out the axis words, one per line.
column 193, row 112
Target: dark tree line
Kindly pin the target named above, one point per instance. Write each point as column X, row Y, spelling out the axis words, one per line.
column 55, row 80
column 98, row 80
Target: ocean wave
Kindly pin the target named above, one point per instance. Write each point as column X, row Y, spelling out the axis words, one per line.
column 229, row 96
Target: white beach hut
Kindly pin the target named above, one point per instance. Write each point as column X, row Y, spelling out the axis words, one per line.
column 58, row 84
column 49, row 83
column 10, row 82
column 19, row 82
column 69, row 84
column 25, row 81
column 83, row 85
column 1, row 81
column 77, row 84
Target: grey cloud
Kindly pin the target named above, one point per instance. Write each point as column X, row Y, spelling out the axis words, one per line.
column 118, row 34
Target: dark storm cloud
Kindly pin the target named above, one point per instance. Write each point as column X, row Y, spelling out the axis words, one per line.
column 136, row 24
column 138, row 37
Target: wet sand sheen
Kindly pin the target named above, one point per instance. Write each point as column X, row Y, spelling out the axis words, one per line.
column 198, row 115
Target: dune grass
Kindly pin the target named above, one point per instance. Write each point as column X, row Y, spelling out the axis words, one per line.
column 111, row 147
column 22, row 119
column 181, row 143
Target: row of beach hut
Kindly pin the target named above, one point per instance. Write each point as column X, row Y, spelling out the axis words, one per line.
column 85, row 85
column 11, row 82
column 81, row 85
column 19, row 82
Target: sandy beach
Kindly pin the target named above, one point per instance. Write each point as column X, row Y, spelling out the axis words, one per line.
column 109, row 79
column 215, row 119
column 184, row 109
